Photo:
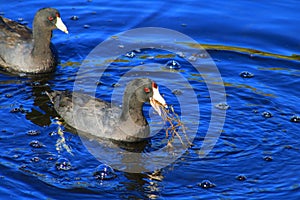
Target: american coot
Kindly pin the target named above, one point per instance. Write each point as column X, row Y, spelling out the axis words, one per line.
column 99, row 119
column 23, row 50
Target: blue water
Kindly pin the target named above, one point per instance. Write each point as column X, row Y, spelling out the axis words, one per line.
column 255, row 157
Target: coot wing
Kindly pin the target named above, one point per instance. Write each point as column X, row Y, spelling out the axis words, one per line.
column 86, row 113
column 12, row 30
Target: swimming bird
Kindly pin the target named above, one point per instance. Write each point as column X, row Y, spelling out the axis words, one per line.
column 30, row 51
column 100, row 119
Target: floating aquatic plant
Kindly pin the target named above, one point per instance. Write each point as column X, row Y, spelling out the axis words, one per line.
column 176, row 126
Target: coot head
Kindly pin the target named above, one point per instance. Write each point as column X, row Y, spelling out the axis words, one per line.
column 49, row 18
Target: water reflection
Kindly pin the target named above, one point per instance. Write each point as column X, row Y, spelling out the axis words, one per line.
column 147, row 185
column 42, row 113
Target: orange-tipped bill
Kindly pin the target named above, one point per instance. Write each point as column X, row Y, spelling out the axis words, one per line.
column 157, row 101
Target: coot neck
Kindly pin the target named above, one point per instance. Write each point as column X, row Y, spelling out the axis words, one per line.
column 132, row 110
column 41, row 41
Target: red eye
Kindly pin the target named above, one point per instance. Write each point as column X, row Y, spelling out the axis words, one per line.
column 154, row 85
column 147, row 90
column 50, row 18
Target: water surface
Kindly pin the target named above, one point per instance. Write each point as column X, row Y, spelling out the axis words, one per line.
column 240, row 36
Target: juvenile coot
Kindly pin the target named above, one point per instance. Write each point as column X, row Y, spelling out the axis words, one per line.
column 100, row 119
column 26, row 50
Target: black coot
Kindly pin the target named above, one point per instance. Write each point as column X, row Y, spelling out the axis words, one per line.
column 100, row 119
column 30, row 51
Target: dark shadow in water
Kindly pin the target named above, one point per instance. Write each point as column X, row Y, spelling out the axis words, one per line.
column 41, row 113
column 44, row 112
